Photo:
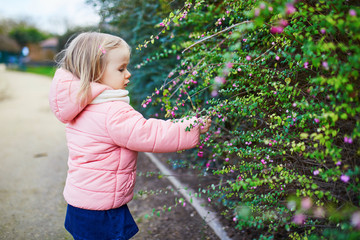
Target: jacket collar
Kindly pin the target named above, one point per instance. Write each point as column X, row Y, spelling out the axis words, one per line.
column 112, row 95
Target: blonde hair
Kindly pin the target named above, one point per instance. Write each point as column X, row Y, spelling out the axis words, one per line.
column 85, row 57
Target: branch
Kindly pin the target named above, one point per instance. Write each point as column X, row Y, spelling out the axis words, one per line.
column 226, row 29
column 264, row 52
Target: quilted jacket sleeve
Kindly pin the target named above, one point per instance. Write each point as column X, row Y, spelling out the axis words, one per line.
column 129, row 129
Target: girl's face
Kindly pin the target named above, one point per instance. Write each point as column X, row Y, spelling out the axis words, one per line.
column 116, row 74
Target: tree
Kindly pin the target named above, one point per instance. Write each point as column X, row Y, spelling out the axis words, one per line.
column 24, row 34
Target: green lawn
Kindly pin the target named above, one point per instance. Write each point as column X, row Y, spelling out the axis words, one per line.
column 43, row 70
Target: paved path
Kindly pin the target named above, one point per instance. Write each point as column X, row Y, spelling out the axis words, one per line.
column 32, row 160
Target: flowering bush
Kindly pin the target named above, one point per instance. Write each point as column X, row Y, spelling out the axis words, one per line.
column 280, row 80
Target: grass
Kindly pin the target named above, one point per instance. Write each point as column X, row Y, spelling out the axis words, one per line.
column 43, row 70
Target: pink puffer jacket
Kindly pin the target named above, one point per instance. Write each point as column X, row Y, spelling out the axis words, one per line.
column 103, row 141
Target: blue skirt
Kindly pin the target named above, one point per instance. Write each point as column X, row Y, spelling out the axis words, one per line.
column 113, row 224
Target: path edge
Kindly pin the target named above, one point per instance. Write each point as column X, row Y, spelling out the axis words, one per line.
column 198, row 204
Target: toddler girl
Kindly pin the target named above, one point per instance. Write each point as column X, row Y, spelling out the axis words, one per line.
column 104, row 135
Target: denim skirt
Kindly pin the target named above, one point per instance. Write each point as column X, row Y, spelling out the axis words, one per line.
column 113, row 224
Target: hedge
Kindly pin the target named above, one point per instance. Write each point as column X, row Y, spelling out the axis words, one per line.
column 280, row 80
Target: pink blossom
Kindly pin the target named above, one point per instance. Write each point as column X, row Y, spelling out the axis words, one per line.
column 226, row 159
column 229, row 65
column 276, row 29
column 306, row 65
column 244, row 39
column 345, row 178
column 157, row 92
column 355, row 220
column 316, row 172
column 291, row 205
column 270, row 9
column 277, row 57
column 234, row 219
column 263, row 161
column 194, row 73
column 352, row 12
column 323, row 31
column 299, row 219
column 348, row 140
column 248, row 57
column 162, row 24
column 239, row 178
column 220, row 80
column 239, row 69
column 325, row 65
column 200, row 154
column 214, row 93
column 306, row 203
column 290, row 9
column 316, row 120
column 208, row 165
column 209, row 200
column 257, row 12
column 283, row 22
column 338, row 163
column 319, row 212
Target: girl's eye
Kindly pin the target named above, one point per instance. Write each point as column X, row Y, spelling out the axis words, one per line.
column 122, row 69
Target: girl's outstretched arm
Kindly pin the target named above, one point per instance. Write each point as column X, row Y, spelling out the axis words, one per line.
column 129, row 129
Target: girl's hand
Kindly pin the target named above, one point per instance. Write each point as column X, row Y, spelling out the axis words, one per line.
column 205, row 125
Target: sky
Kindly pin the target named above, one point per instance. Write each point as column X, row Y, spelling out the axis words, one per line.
column 53, row 16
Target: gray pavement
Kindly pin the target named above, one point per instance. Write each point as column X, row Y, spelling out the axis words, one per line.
column 32, row 160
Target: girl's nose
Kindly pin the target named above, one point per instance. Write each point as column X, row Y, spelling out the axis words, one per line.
column 128, row 74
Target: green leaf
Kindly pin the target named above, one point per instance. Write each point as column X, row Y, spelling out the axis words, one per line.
column 304, row 135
